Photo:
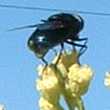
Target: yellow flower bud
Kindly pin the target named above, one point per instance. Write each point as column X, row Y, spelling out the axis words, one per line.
column 46, row 105
column 67, row 59
column 79, row 78
column 107, row 79
column 48, row 84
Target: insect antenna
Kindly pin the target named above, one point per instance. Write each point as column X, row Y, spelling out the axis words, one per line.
column 23, row 27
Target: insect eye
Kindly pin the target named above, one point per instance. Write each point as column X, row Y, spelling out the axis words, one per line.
column 31, row 44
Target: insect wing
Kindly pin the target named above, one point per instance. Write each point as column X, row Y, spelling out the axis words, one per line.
column 50, row 25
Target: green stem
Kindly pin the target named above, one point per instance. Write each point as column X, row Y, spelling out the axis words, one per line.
column 80, row 104
column 62, row 86
column 72, row 102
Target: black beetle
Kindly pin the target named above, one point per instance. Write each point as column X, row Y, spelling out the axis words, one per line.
column 57, row 29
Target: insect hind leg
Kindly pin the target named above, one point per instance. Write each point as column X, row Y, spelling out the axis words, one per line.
column 83, row 46
column 82, row 49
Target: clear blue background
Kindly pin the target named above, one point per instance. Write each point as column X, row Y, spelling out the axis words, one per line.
column 18, row 64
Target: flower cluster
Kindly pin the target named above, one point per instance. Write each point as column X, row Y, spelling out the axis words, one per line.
column 67, row 78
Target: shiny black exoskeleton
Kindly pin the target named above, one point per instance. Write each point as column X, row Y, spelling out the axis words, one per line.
column 57, row 29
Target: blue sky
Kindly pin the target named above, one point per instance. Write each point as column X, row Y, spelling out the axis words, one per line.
column 18, row 64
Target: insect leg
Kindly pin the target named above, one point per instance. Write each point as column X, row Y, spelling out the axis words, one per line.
column 62, row 48
column 46, row 63
column 82, row 49
column 82, row 39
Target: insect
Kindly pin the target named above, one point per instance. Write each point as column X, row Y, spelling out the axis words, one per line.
column 57, row 29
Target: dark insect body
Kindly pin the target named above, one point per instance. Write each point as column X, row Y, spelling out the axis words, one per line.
column 57, row 29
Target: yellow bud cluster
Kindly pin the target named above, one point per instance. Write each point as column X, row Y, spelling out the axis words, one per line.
column 67, row 78
column 47, row 105
column 79, row 78
column 49, row 84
